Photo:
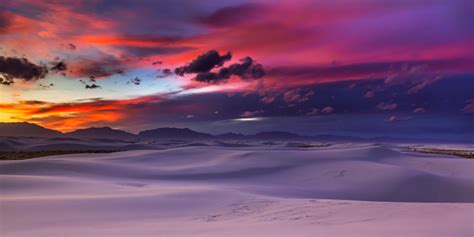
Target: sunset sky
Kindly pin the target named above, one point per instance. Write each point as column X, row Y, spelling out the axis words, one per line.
column 367, row 67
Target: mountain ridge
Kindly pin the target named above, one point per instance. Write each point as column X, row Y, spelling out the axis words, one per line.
column 101, row 132
column 24, row 129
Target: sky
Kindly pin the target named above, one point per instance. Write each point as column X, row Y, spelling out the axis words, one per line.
column 366, row 68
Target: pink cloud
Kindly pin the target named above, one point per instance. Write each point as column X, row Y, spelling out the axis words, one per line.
column 313, row 111
column 394, row 119
column 387, row 106
column 369, row 94
column 419, row 110
column 248, row 114
column 327, row 110
column 297, row 96
column 469, row 108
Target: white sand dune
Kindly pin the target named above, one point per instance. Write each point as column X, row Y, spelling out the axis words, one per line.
column 226, row 189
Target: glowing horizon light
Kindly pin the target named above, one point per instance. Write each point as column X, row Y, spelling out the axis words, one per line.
column 249, row 119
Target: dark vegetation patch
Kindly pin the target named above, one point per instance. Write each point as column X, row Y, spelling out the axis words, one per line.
column 461, row 153
column 23, row 155
column 313, row 145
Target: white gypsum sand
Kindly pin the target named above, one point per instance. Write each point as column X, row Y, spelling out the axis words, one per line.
column 225, row 190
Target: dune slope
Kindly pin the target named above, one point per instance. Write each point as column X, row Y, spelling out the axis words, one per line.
column 226, row 190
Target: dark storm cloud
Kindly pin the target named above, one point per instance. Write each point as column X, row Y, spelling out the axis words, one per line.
column 46, row 86
column 59, row 66
column 69, row 46
column 204, row 63
column 93, row 86
column 33, row 102
column 134, row 81
column 246, row 70
column 100, row 68
column 20, row 68
column 6, row 80
column 164, row 73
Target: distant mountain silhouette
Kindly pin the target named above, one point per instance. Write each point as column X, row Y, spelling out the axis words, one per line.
column 101, row 133
column 26, row 130
column 173, row 133
column 276, row 135
column 33, row 130
column 231, row 136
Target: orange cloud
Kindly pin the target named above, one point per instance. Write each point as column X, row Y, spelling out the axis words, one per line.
column 70, row 116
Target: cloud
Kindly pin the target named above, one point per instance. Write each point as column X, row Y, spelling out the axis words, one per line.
column 46, row 86
column 419, row 110
column 417, row 74
column 386, row 106
column 103, row 67
column 395, row 118
column 327, row 109
column 392, row 119
column 150, row 51
column 248, row 114
column 211, row 77
column 5, row 21
column 469, row 108
column 19, row 68
column 59, row 66
column 297, row 96
column 313, row 111
column 165, row 73
column 69, row 46
column 72, row 46
column 135, row 81
column 415, row 77
column 33, row 102
column 146, row 113
column 369, row 94
column 418, row 86
column 6, row 79
column 268, row 99
column 204, row 63
column 233, row 15
column 93, row 86
column 246, row 70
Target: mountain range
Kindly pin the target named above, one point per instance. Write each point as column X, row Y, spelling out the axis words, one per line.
column 101, row 133
column 26, row 130
column 32, row 130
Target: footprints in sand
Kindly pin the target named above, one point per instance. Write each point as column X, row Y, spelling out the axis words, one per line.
column 239, row 209
column 336, row 173
column 313, row 212
column 259, row 210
